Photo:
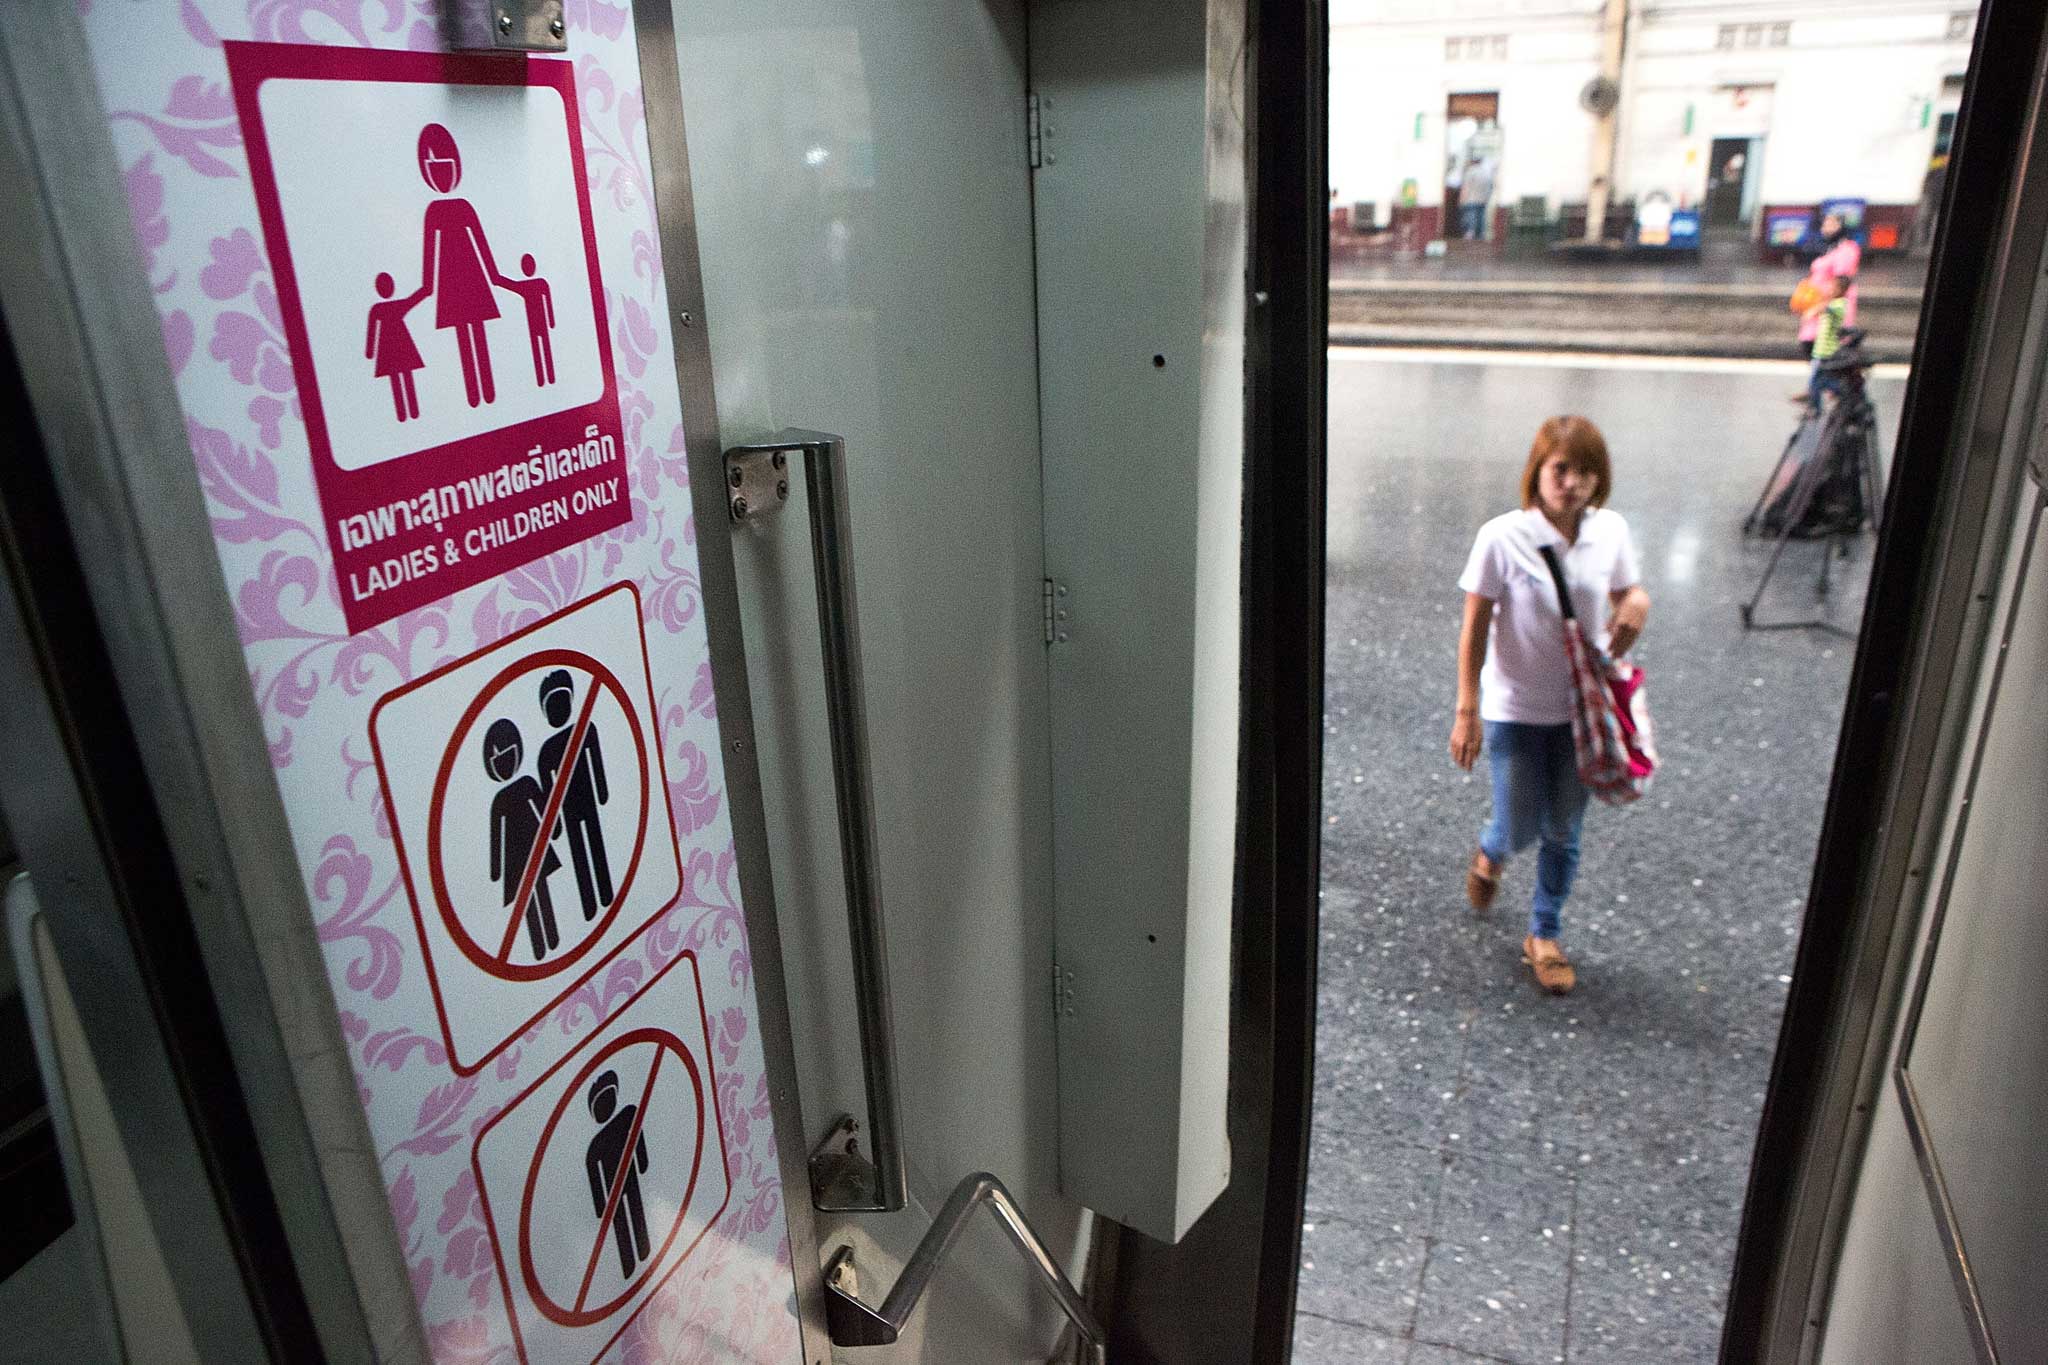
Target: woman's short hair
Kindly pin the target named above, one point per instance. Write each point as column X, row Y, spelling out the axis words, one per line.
column 1579, row 441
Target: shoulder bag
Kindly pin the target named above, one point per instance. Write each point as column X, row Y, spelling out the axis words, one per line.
column 1617, row 752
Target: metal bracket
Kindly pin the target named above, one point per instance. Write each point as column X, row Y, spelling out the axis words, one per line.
column 853, row 1323
column 842, row 1180
column 757, row 481
column 506, row 26
column 1034, row 128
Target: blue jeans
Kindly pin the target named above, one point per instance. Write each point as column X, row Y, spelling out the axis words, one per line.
column 1822, row 382
column 1536, row 795
column 1472, row 219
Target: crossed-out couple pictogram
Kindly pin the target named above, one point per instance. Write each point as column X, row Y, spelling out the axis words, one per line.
column 562, row 800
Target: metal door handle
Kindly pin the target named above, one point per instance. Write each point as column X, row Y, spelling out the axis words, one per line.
column 853, row 1323
column 757, row 483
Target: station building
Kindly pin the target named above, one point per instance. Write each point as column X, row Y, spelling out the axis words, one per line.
column 1745, row 111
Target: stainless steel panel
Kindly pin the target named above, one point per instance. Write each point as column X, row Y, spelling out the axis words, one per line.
column 1948, row 1229
column 1976, row 1048
column 863, row 211
column 1893, row 1304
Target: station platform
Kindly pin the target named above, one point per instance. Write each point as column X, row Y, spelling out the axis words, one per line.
column 1497, row 1175
column 1722, row 303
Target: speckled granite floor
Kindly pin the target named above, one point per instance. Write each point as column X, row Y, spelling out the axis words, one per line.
column 1498, row 1175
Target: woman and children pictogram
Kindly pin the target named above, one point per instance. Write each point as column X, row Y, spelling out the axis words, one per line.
column 457, row 268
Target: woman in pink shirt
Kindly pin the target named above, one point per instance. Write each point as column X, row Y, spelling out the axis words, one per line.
column 1841, row 258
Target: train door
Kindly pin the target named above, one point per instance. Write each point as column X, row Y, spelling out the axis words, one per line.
column 457, row 780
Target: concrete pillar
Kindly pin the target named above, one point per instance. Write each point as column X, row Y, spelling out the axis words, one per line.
column 1606, row 132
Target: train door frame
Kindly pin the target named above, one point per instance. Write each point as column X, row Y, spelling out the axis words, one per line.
column 1902, row 723
column 172, row 911
column 675, row 211
column 1926, row 621
column 185, row 1129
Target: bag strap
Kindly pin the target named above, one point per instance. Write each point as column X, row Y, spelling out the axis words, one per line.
column 1564, row 597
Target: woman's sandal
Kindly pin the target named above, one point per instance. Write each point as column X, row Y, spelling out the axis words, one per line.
column 1553, row 969
column 1482, row 881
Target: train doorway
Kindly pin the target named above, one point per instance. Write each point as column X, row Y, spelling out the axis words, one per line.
column 1520, row 1164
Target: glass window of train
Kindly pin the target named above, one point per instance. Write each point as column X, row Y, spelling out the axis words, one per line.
column 31, row 1171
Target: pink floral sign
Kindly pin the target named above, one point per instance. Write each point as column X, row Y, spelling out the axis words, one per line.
column 243, row 378
column 434, row 486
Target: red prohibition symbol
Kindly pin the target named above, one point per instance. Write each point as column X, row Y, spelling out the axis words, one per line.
column 671, row 1057
column 495, row 956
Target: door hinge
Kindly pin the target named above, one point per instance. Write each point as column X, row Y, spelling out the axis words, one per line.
column 1055, row 595
column 1034, row 114
column 1062, row 992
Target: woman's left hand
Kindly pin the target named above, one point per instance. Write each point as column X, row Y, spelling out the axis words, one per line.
column 1631, row 610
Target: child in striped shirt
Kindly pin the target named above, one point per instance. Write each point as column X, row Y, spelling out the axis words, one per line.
column 1832, row 316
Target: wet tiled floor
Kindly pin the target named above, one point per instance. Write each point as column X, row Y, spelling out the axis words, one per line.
column 1498, row 1175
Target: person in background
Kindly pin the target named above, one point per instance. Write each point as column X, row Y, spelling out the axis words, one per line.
column 1830, row 320
column 1473, row 198
column 1515, row 681
column 1929, row 212
column 1454, row 196
column 1840, row 258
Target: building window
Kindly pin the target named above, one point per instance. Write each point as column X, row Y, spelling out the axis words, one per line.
column 1725, row 39
column 1960, row 26
column 1781, row 35
column 1752, row 35
column 1476, row 48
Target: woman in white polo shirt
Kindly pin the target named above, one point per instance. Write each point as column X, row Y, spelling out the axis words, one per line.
column 1514, row 682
